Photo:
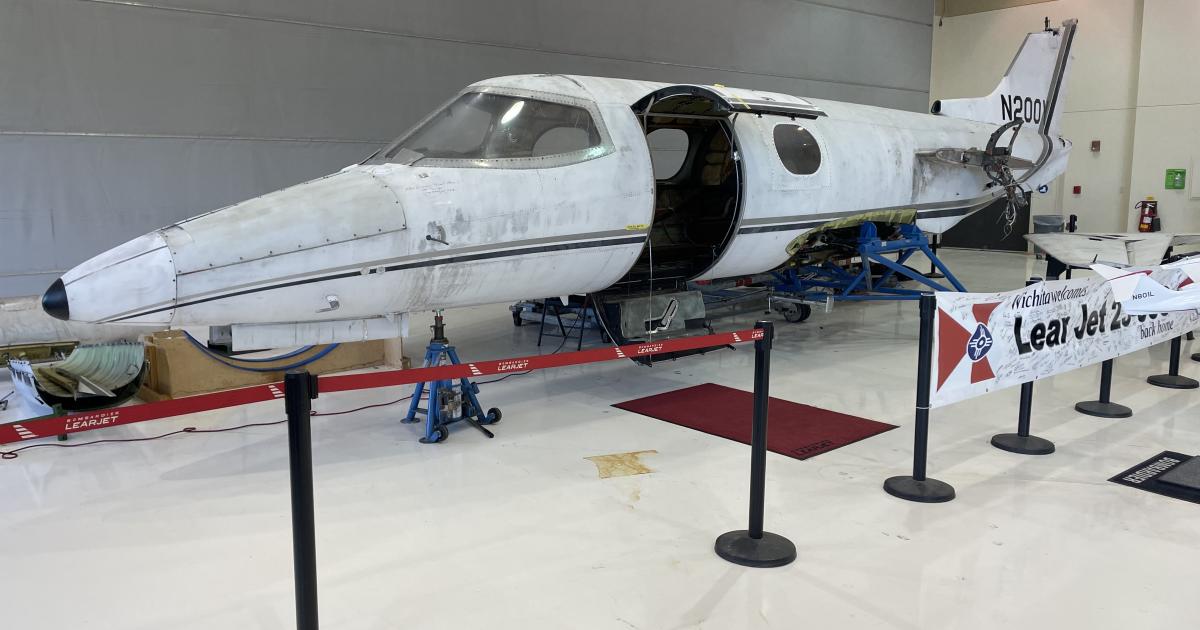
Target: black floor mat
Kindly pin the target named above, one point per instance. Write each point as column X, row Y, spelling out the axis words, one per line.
column 1169, row 473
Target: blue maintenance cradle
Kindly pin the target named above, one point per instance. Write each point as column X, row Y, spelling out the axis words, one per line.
column 830, row 281
column 449, row 402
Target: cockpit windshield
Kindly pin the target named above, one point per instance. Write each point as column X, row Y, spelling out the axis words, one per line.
column 490, row 129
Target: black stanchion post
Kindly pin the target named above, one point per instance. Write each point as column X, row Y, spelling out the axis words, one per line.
column 299, row 388
column 1022, row 442
column 934, row 241
column 753, row 547
column 1072, row 221
column 918, row 487
column 1172, row 379
column 1104, row 408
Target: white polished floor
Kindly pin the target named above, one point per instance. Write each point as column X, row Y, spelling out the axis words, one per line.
column 520, row 532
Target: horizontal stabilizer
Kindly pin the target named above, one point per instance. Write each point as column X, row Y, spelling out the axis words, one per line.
column 1080, row 250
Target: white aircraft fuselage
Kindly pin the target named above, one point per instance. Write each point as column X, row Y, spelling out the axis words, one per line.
column 443, row 219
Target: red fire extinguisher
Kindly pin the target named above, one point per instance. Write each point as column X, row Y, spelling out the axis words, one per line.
column 1147, row 215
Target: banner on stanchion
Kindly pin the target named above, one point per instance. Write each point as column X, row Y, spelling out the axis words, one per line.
column 989, row 341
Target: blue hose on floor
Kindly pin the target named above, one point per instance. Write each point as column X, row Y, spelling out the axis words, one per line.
column 278, row 368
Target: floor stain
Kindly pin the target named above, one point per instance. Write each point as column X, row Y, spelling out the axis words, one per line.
column 621, row 464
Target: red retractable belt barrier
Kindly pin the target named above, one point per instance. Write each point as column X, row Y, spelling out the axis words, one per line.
column 61, row 425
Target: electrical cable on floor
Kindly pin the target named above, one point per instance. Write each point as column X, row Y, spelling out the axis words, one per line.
column 14, row 453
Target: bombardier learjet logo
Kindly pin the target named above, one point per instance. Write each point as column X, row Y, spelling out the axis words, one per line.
column 979, row 343
column 514, row 364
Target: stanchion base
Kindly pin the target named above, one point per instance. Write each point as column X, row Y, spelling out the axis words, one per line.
column 1023, row 444
column 1172, row 381
column 772, row 550
column 1102, row 409
column 924, row 491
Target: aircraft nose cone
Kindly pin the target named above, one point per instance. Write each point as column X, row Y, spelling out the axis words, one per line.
column 54, row 301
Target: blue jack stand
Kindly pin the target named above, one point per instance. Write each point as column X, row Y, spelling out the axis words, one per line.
column 828, row 280
column 448, row 402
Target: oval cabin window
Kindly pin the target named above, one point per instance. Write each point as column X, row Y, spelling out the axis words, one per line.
column 797, row 149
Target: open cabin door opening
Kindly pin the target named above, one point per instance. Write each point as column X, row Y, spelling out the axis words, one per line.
column 698, row 202
column 697, row 191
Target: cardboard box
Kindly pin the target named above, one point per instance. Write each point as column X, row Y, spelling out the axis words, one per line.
column 177, row 368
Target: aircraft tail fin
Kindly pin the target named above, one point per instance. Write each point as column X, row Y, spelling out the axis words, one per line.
column 1147, row 289
column 1031, row 90
column 1123, row 282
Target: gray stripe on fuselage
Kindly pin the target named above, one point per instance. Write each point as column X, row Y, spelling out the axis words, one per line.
column 403, row 259
column 463, row 254
column 829, row 216
column 822, row 219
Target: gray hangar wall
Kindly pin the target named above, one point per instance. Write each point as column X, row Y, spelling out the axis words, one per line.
column 119, row 117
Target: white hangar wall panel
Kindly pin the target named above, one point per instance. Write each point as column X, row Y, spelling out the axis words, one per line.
column 1168, row 112
column 117, row 118
column 68, row 198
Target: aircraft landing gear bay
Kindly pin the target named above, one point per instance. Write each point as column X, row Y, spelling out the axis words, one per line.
column 449, row 402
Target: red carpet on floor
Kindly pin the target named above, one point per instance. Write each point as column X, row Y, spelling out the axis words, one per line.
column 793, row 429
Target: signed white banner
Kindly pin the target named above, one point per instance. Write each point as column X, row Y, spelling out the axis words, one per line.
column 989, row 341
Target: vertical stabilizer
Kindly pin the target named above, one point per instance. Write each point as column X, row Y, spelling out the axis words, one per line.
column 1032, row 89
column 1122, row 282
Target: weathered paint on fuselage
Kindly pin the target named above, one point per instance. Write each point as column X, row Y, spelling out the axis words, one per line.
column 389, row 238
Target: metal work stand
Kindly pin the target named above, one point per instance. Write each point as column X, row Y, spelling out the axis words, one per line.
column 820, row 282
column 1172, row 379
column 448, row 402
column 546, row 305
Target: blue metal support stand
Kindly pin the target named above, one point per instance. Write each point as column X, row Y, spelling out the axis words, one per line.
column 448, row 402
column 818, row 282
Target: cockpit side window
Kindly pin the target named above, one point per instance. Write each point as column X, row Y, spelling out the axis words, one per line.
column 502, row 130
column 797, row 149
